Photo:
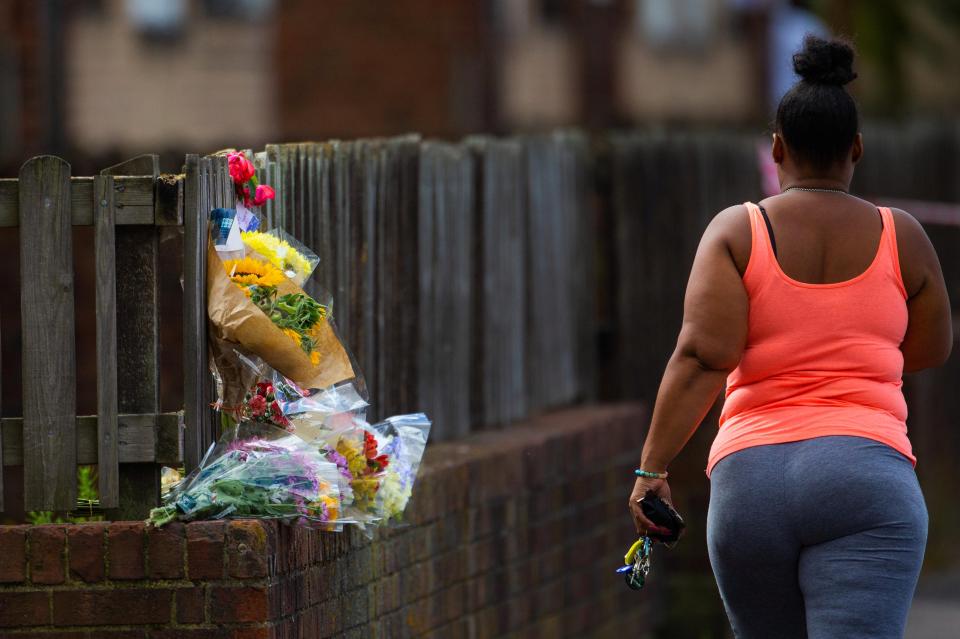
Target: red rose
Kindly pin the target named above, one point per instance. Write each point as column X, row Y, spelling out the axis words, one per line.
column 241, row 169
column 263, row 388
column 258, row 405
column 245, row 194
column 263, row 193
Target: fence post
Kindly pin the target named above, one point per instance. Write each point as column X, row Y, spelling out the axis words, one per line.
column 108, row 459
column 138, row 341
column 49, row 347
column 195, row 387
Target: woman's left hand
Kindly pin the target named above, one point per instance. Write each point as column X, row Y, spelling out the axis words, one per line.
column 658, row 487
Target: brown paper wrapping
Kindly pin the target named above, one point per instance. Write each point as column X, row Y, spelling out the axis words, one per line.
column 234, row 318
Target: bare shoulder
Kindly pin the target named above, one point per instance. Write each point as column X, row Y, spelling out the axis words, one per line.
column 731, row 228
column 917, row 255
column 907, row 225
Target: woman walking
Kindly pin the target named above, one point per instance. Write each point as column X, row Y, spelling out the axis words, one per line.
column 809, row 305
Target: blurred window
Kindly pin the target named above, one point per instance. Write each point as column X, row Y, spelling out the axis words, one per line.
column 158, row 21
column 675, row 24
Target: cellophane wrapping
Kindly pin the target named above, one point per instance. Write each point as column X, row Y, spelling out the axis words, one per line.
column 261, row 471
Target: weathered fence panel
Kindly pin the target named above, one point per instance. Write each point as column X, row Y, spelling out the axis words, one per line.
column 195, row 374
column 108, row 455
column 559, row 283
column 126, row 205
column 666, row 188
column 49, row 358
column 380, row 214
column 397, row 282
column 446, row 258
column 501, row 282
column 138, row 338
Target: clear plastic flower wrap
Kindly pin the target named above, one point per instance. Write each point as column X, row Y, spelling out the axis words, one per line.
column 274, row 399
column 402, row 439
column 379, row 464
column 352, row 447
column 260, row 471
column 283, row 251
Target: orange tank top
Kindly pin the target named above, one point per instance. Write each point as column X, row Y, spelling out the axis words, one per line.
column 820, row 359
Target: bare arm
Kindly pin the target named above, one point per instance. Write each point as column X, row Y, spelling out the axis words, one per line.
column 710, row 345
column 929, row 337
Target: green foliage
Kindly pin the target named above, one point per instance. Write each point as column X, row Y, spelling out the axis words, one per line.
column 87, row 479
column 88, row 497
column 37, row 517
column 884, row 31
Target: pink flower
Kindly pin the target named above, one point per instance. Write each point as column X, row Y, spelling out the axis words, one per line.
column 263, row 193
column 258, row 405
column 241, row 169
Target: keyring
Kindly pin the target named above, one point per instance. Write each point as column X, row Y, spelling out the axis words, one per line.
column 637, row 563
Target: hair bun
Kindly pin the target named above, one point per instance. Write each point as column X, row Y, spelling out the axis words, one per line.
column 824, row 61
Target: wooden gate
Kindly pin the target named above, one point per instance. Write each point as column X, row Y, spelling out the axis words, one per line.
column 128, row 205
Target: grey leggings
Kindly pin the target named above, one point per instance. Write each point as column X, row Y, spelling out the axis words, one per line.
column 821, row 538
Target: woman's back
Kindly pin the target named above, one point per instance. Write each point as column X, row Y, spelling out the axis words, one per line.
column 817, row 524
column 822, row 353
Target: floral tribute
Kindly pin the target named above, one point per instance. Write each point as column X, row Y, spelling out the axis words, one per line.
column 295, row 443
column 244, row 176
column 257, row 471
column 296, row 314
column 260, row 405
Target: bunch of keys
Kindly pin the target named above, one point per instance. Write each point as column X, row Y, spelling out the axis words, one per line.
column 637, row 562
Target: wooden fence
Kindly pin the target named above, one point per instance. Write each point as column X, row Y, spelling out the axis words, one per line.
column 128, row 206
column 470, row 280
column 456, row 269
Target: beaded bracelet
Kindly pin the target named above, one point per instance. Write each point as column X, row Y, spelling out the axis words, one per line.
column 652, row 475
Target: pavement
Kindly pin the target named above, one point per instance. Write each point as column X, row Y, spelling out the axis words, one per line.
column 935, row 613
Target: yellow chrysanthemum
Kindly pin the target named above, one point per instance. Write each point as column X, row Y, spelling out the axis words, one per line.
column 278, row 252
column 351, row 451
column 332, row 504
column 251, row 272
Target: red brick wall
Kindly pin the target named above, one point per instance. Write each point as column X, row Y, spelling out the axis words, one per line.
column 514, row 532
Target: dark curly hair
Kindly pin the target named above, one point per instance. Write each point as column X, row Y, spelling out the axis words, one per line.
column 817, row 117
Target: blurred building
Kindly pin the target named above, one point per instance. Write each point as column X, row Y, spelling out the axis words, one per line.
column 112, row 78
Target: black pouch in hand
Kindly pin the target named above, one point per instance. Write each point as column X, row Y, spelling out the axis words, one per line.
column 662, row 514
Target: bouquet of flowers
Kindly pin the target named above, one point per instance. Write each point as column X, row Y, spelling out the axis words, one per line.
column 252, row 304
column 254, row 299
column 257, row 470
column 378, row 464
column 404, row 439
column 260, row 405
column 296, row 445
